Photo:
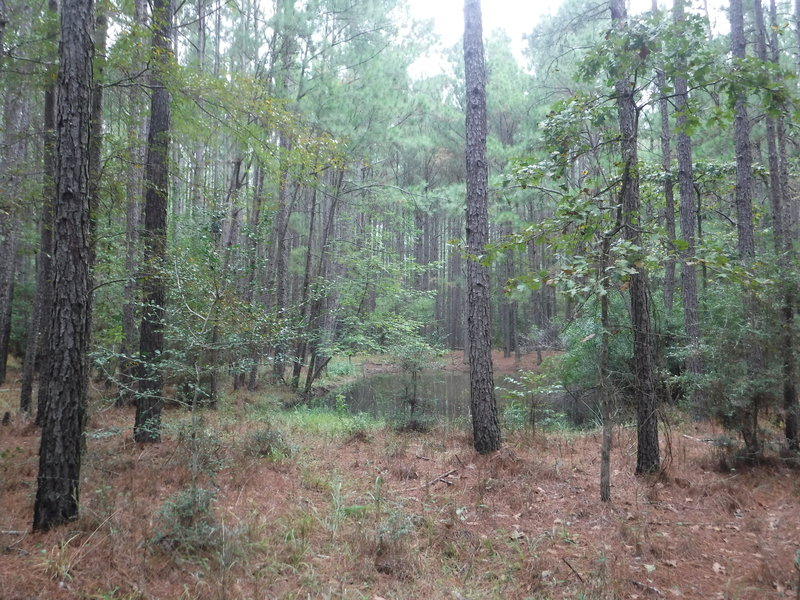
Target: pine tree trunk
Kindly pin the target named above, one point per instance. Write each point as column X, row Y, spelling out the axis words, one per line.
column 647, row 452
column 744, row 157
column 137, row 134
column 147, row 427
column 16, row 119
column 669, row 198
column 483, row 406
column 604, row 390
column 748, row 417
column 58, row 481
column 688, row 211
column 778, row 195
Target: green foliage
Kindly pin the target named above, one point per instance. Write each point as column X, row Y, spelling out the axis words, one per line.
column 527, row 402
column 186, row 524
column 268, row 443
column 741, row 357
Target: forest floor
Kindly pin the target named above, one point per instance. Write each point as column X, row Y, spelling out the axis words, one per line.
column 254, row 501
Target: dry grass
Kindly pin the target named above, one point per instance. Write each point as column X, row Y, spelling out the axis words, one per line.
column 306, row 508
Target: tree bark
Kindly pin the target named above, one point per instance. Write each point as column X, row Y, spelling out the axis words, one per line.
column 147, row 427
column 647, row 452
column 748, row 416
column 688, row 211
column 744, row 156
column 483, row 405
column 58, row 481
column 16, row 119
column 781, row 220
column 669, row 197
column 604, row 387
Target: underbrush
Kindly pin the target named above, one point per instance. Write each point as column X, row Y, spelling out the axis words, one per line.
column 254, row 501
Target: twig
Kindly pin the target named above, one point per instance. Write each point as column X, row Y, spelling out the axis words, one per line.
column 422, row 457
column 458, row 458
column 578, row 575
column 442, row 478
column 706, row 441
column 647, row 588
column 12, row 532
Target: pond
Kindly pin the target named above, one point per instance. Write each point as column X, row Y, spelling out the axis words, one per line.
column 443, row 396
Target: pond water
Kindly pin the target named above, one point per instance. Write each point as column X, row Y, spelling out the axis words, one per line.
column 441, row 396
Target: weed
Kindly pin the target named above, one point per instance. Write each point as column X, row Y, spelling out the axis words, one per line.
column 339, row 368
column 200, row 446
column 60, row 561
column 186, row 523
column 268, row 443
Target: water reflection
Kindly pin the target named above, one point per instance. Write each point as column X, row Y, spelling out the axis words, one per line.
column 441, row 395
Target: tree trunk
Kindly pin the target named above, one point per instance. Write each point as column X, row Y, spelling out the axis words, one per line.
column 147, row 427
column 744, row 157
column 483, row 406
column 302, row 343
column 606, row 412
column 647, row 452
column 137, row 135
column 778, row 184
column 281, row 260
column 688, row 210
column 40, row 314
column 748, row 417
column 44, row 281
column 669, row 198
column 58, row 481
column 16, row 119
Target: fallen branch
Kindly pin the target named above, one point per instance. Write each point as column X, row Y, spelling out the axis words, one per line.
column 701, row 440
column 442, row 477
column 12, row 532
column 648, row 588
column 578, row 575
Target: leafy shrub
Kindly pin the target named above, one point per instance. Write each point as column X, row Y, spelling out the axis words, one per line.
column 268, row 443
column 186, row 523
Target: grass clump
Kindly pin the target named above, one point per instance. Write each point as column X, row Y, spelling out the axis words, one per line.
column 186, row 524
column 270, row 443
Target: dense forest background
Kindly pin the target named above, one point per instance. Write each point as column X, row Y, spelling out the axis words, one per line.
column 315, row 192
column 275, row 186
column 314, row 202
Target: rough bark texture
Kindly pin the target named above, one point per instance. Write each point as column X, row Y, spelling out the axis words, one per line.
column 744, row 157
column 781, row 223
column 647, row 453
column 96, row 142
column 485, row 426
column 61, row 442
column 149, row 402
column 687, row 211
column 604, row 390
column 748, row 414
column 669, row 197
